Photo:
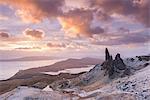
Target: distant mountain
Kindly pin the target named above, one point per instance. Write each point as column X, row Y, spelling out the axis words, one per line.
column 69, row 63
column 30, row 58
column 66, row 64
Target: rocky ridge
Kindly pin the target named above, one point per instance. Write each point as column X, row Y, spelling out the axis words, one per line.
column 110, row 69
column 114, row 78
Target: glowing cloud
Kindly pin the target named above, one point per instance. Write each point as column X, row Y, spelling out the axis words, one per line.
column 77, row 23
column 35, row 10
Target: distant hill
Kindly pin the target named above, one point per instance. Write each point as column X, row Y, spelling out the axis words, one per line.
column 30, row 58
column 69, row 63
column 66, row 64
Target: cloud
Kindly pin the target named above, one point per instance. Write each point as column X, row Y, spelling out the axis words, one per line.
column 56, row 45
column 67, row 46
column 77, row 23
column 138, row 9
column 36, row 34
column 3, row 18
column 27, row 48
column 35, row 10
column 124, row 39
column 4, row 35
column 123, row 30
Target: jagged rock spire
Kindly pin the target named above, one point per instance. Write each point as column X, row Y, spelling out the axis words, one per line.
column 117, row 56
column 119, row 64
column 107, row 56
column 114, row 67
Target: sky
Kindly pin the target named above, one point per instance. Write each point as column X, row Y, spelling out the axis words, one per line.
column 74, row 28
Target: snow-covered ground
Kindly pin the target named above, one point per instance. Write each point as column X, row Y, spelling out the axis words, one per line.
column 136, row 85
column 29, row 93
column 19, row 93
column 71, row 70
column 135, row 64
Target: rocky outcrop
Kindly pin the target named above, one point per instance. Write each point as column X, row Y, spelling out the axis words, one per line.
column 107, row 56
column 141, row 58
column 114, row 68
column 109, row 69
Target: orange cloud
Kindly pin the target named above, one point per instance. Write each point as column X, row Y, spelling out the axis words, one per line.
column 36, row 34
column 35, row 10
column 77, row 23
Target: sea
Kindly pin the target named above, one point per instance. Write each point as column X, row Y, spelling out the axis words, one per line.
column 8, row 69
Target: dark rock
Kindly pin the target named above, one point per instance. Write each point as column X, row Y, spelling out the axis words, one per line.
column 60, row 84
column 127, row 72
column 117, row 56
column 146, row 64
column 40, row 85
column 111, row 58
column 139, row 58
column 132, row 59
column 114, row 68
column 107, row 56
column 118, row 62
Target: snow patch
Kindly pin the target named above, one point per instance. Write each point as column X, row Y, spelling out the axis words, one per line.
column 47, row 88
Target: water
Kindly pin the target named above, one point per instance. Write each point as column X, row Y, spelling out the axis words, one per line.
column 72, row 70
column 8, row 69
